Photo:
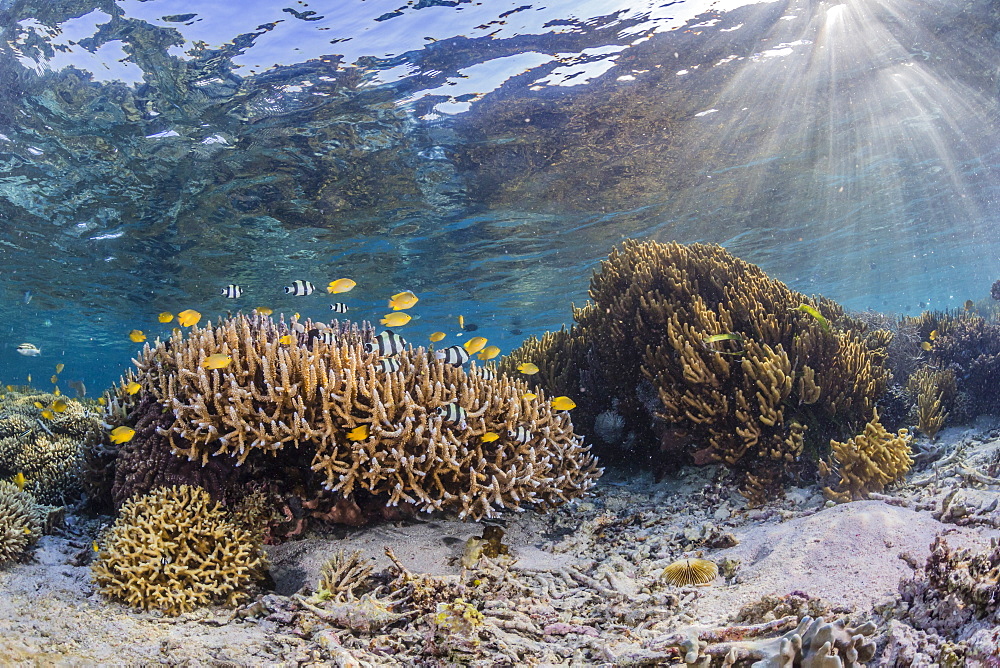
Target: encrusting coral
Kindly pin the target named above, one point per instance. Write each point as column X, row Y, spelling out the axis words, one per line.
column 712, row 361
column 47, row 449
column 22, row 521
column 175, row 549
column 289, row 414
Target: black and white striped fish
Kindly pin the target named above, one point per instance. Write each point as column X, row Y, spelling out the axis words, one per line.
column 386, row 344
column 487, row 373
column 388, row 365
column 452, row 413
column 327, row 336
column 232, row 291
column 454, row 355
column 519, row 435
column 299, row 288
column 339, row 307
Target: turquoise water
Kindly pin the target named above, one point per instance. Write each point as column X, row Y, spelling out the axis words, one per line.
column 485, row 155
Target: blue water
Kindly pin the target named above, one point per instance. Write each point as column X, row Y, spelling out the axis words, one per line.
column 484, row 155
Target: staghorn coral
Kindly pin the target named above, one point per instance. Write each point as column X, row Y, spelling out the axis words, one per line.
column 282, row 414
column 776, row 384
column 933, row 391
column 174, row 550
column 22, row 521
column 343, row 576
column 48, row 451
column 868, row 462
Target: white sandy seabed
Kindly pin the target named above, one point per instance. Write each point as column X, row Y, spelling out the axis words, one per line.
column 583, row 586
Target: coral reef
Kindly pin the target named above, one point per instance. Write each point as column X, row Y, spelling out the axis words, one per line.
column 712, row 361
column 174, row 550
column 868, row 462
column 933, row 392
column 22, row 521
column 287, row 415
column 47, row 450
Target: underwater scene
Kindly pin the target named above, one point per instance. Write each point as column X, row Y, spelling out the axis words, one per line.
column 486, row 333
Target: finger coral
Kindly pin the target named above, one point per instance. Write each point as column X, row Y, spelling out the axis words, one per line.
column 298, row 408
column 868, row 462
column 710, row 360
column 21, row 522
column 175, row 549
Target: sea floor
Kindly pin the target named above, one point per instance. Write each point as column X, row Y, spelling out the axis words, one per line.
column 582, row 585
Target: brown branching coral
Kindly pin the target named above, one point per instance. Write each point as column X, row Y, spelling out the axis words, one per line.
column 302, row 403
column 743, row 370
column 868, row 462
column 933, row 391
column 21, row 522
column 174, row 550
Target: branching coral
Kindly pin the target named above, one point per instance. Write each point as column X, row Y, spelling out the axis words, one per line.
column 174, row 550
column 21, row 522
column 299, row 405
column 868, row 462
column 933, row 391
column 743, row 370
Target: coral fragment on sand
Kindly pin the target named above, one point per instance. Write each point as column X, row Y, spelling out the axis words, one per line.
column 690, row 572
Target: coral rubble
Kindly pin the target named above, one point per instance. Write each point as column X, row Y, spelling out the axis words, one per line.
column 175, row 549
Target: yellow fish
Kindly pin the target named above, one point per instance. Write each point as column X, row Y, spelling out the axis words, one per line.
column 529, row 396
column 340, row 285
column 60, row 367
column 56, row 391
column 137, row 336
column 96, row 549
column 490, row 436
column 20, row 480
column 461, row 322
column 926, row 345
column 48, row 415
column 263, row 310
column 166, row 316
column 39, row 404
column 395, row 319
column 102, row 401
column 933, row 335
column 122, row 434
column 175, row 330
column 402, row 300
column 437, row 336
column 217, row 361
column 358, row 433
column 133, row 387
column 59, row 405
column 823, row 322
column 563, row 404
column 29, row 377
column 475, row 344
column 10, row 388
column 54, row 379
column 527, row 368
column 489, row 352
column 188, row 318
column 286, row 339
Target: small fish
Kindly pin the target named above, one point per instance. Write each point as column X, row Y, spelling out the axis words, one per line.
column 48, row 415
column 122, row 434
column 487, row 373
column 39, row 404
column 454, row 355
column 188, row 318
column 933, row 335
column 55, row 391
column 20, row 481
column 340, row 285
column 926, row 345
column 263, row 310
column 339, row 307
column 78, row 387
column 27, row 296
column 529, row 396
column 54, row 379
column 437, row 336
column 217, row 361
column 387, row 344
column 489, row 352
column 403, row 300
column 527, row 368
column 60, row 367
column 166, row 316
column 137, row 336
column 358, row 433
column 324, row 334
column 395, row 319
column 29, row 378
column 286, row 339
column 389, row 365
column 519, row 435
column 715, row 338
column 133, row 388
column 475, row 344
column 96, row 549
column 452, row 413
column 461, row 322
column 232, row 291
column 490, row 436
column 59, row 405
column 969, row 304
column 29, row 350
column 300, row 288
column 563, row 404
column 823, row 322
column 102, row 401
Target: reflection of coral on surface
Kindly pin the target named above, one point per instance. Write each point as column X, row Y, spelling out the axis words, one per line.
column 174, row 550
column 21, row 522
column 282, row 413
